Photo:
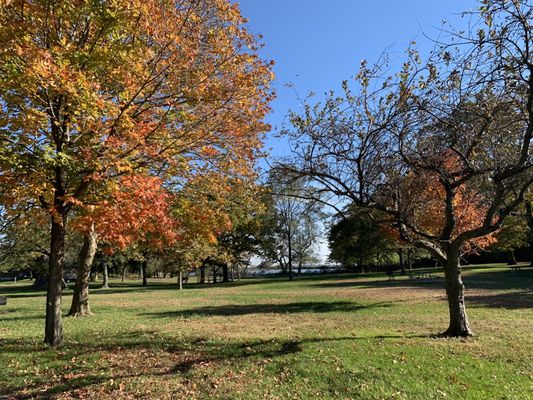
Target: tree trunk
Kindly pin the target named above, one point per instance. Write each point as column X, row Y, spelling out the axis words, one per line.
column 124, row 272
column 144, row 266
column 289, row 242
column 180, row 280
column 80, row 298
column 53, row 332
column 202, row 274
column 402, row 263
column 299, row 268
column 409, row 258
column 455, row 290
column 225, row 273
column 41, row 281
column 512, row 258
column 105, row 281
column 529, row 220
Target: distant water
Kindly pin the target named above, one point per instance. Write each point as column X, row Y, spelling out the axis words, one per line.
column 251, row 272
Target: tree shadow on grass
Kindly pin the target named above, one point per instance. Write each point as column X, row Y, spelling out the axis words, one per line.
column 510, row 301
column 183, row 356
column 264, row 308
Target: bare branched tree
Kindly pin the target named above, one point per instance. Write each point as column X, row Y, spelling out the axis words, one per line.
column 443, row 147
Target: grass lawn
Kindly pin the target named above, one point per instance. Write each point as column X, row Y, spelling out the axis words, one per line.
column 326, row 337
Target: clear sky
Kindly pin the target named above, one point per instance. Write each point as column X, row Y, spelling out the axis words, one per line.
column 318, row 43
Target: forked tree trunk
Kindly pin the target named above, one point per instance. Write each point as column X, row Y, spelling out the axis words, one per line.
column 53, row 332
column 455, row 290
column 105, row 281
column 80, row 298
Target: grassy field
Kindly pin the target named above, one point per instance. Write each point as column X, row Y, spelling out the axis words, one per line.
column 327, row 337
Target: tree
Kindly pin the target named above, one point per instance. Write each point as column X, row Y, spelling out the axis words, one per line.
column 92, row 91
column 305, row 239
column 356, row 239
column 292, row 212
column 456, row 129
column 513, row 235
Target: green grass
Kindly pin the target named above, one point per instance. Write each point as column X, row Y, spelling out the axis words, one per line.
column 326, row 337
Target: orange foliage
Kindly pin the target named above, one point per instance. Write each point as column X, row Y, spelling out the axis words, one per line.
column 425, row 205
column 138, row 212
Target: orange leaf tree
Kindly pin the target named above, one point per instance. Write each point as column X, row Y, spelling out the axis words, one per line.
column 91, row 91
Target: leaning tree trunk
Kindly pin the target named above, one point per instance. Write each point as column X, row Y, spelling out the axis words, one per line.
column 53, row 332
column 80, row 298
column 455, row 290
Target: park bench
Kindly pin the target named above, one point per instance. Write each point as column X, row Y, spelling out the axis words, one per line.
column 3, row 300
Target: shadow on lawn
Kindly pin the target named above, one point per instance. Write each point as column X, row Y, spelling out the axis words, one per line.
column 519, row 283
column 173, row 360
column 281, row 308
column 510, row 301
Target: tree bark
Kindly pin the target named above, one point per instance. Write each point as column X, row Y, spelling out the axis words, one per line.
column 299, row 267
column 455, row 290
column 105, row 280
column 124, row 272
column 180, row 280
column 53, row 332
column 80, row 298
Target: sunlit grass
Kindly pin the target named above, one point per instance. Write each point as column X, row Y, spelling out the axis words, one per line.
column 328, row 337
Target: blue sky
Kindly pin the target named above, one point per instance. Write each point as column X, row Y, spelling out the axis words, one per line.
column 318, row 43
